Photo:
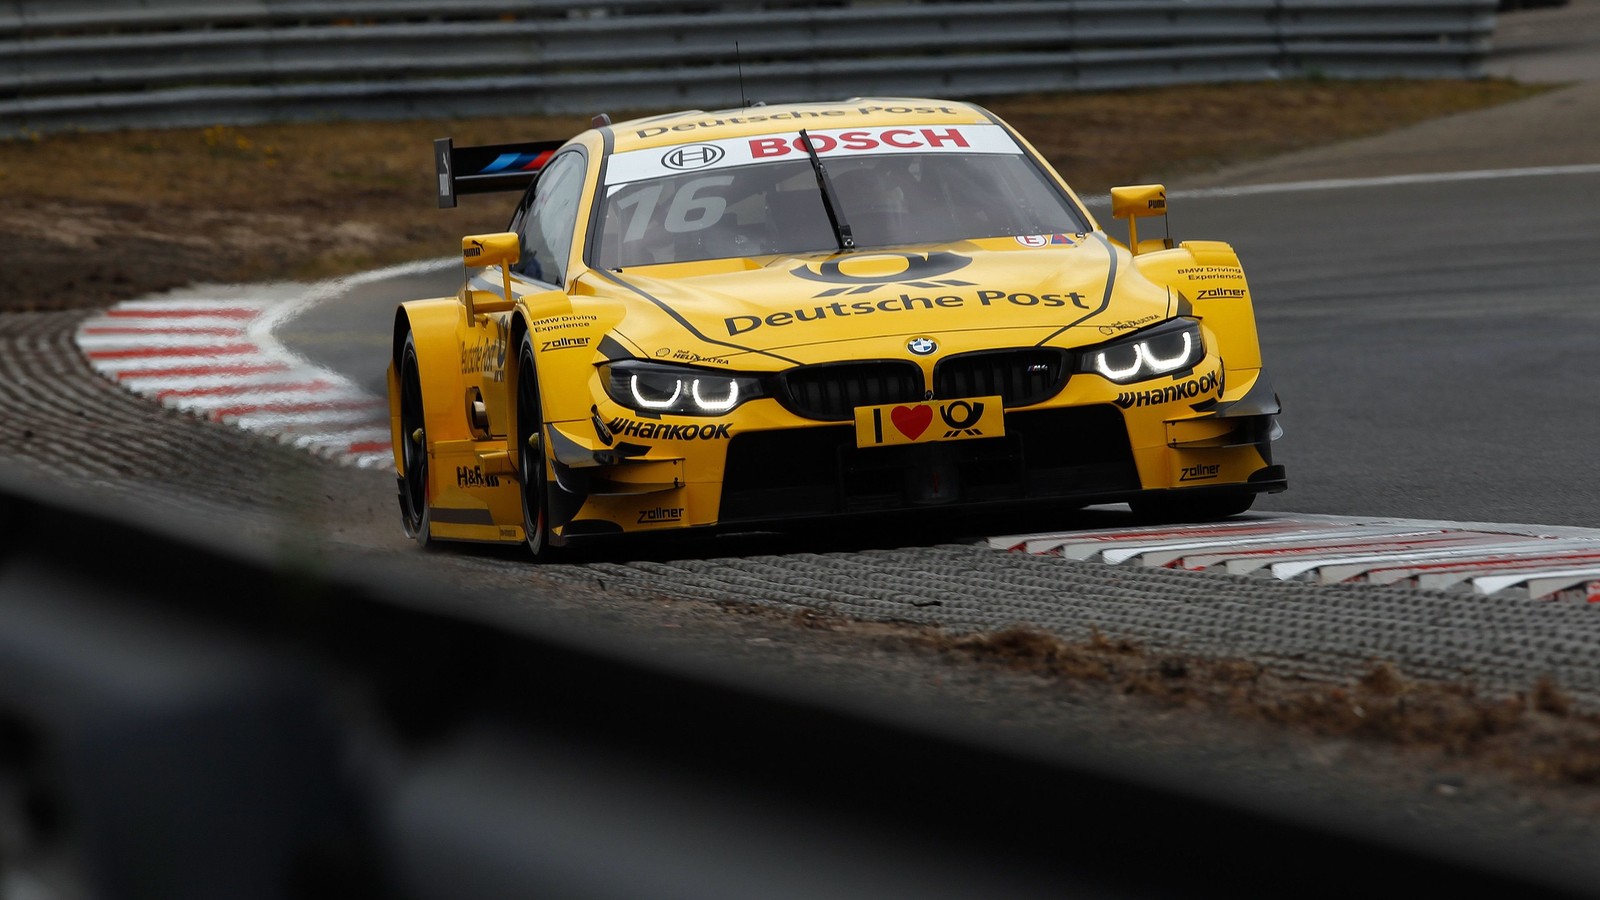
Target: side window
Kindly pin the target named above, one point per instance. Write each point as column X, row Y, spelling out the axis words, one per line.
column 550, row 220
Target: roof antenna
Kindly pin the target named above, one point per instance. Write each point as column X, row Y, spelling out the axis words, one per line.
column 737, row 61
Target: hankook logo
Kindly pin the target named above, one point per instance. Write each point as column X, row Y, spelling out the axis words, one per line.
column 693, row 156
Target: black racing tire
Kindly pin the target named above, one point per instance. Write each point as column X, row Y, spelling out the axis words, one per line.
column 415, row 513
column 531, row 461
column 1167, row 509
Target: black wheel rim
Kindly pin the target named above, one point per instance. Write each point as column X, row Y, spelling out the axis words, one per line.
column 413, row 444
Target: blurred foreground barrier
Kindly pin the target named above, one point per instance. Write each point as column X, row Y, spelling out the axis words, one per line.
column 182, row 718
column 172, row 63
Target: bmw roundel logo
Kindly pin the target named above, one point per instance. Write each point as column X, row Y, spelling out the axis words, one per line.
column 693, row 156
column 922, row 346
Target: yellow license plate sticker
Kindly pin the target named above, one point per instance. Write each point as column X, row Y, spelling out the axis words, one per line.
column 930, row 420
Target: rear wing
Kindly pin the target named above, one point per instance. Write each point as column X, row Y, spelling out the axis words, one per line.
column 492, row 167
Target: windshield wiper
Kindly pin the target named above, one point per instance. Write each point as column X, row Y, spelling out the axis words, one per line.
column 830, row 200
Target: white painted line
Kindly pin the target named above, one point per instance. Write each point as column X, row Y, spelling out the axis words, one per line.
column 1443, row 575
column 1334, row 569
column 1091, row 544
column 337, row 439
column 1253, row 557
column 1162, row 553
column 1334, row 184
column 1539, row 585
column 1013, row 542
column 331, row 396
column 301, row 422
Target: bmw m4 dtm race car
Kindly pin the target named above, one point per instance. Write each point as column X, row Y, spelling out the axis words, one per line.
column 753, row 318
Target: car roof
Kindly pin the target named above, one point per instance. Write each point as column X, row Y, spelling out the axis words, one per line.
column 787, row 118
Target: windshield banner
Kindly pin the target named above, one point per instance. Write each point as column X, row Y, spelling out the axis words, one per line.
column 658, row 162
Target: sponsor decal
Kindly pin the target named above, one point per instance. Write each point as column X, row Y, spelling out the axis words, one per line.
column 691, row 357
column 661, row 514
column 693, row 156
column 960, row 416
column 554, row 323
column 864, row 139
column 473, row 477
column 1199, row 472
column 1126, row 324
column 474, row 251
column 1024, row 299
column 918, row 269
column 507, row 533
column 839, row 309
column 799, row 114
column 1219, row 293
column 566, row 343
column 932, row 420
column 1203, row 273
column 1158, row 203
column 723, row 153
column 1184, row 390
column 922, row 346
column 662, row 431
column 486, row 357
column 1045, row 240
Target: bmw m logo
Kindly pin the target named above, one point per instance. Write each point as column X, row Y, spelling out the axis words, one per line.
column 922, row 346
column 693, row 156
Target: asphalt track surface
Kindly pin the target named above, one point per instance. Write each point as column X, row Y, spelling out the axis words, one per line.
column 1432, row 341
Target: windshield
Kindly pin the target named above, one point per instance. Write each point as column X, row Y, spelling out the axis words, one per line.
column 736, row 203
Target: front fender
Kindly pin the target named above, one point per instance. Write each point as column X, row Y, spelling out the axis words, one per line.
column 1207, row 276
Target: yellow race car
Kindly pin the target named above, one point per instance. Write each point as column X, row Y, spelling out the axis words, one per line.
column 753, row 318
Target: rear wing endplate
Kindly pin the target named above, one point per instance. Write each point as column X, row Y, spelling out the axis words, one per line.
column 492, row 167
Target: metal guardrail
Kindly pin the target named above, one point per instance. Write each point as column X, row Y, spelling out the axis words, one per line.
column 92, row 65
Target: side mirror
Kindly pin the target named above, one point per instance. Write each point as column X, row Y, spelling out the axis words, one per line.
column 484, row 250
column 1139, row 201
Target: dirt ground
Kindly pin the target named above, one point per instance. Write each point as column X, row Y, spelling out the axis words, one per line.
column 89, row 219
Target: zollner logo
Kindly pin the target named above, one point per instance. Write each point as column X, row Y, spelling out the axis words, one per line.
column 693, row 156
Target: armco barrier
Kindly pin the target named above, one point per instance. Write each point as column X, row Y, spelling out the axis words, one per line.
column 93, row 65
column 181, row 717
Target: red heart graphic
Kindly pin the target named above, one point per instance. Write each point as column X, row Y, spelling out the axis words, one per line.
column 911, row 420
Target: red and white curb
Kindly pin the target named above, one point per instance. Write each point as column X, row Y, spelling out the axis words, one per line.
column 211, row 352
column 1505, row 560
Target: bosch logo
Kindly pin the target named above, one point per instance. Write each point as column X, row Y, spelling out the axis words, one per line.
column 922, row 346
column 693, row 156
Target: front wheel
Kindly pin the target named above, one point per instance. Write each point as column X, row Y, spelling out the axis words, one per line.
column 1166, row 509
column 531, row 466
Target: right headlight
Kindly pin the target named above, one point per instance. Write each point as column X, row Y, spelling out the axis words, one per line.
column 1172, row 346
column 678, row 390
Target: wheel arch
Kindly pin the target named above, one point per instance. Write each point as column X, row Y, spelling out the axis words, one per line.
column 519, row 330
column 433, row 326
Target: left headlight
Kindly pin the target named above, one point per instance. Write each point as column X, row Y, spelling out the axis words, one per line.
column 677, row 390
column 1169, row 347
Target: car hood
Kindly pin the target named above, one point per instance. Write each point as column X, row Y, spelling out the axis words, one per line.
column 1080, row 290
